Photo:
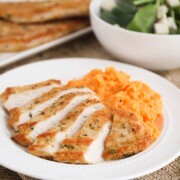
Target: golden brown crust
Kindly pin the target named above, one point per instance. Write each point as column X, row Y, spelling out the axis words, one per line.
column 17, row 37
column 21, row 136
column 14, row 114
column 129, row 135
column 25, row 129
column 73, row 157
column 48, row 137
column 43, row 11
column 15, row 90
column 73, row 149
column 41, row 141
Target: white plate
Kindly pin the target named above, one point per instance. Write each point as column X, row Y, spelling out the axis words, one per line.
column 159, row 154
column 8, row 58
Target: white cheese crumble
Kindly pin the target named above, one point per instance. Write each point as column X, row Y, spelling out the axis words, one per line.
column 171, row 23
column 162, row 12
column 117, row 25
column 173, row 3
column 162, row 27
column 108, row 5
column 165, row 24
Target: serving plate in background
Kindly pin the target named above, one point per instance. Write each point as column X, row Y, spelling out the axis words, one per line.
column 8, row 58
column 159, row 154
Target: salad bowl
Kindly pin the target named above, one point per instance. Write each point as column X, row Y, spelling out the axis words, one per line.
column 151, row 51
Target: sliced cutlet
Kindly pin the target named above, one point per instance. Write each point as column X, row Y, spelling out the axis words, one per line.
column 129, row 135
column 48, row 118
column 22, row 114
column 49, row 142
column 87, row 145
column 15, row 37
column 14, row 97
column 38, row 12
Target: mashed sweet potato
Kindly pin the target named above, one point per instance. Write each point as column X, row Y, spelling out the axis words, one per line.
column 117, row 91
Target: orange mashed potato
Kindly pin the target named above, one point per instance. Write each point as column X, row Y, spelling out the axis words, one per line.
column 117, row 91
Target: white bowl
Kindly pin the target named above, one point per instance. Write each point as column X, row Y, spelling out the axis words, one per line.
column 152, row 51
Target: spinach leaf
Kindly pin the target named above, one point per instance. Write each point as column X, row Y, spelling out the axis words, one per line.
column 122, row 14
column 109, row 17
column 125, row 11
column 144, row 19
column 176, row 11
column 126, row 6
column 175, row 14
column 123, row 17
column 140, row 2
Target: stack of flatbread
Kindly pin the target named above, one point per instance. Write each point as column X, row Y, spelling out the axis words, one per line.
column 24, row 25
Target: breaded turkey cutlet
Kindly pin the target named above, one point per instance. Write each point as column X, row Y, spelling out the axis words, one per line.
column 87, row 145
column 14, row 97
column 20, row 115
column 72, row 125
column 31, row 12
column 17, row 37
column 50, row 116
column 128, row 136
column 49, row 142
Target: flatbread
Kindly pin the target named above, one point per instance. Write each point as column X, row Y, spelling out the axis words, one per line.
column 16, row 37
column 30, row 12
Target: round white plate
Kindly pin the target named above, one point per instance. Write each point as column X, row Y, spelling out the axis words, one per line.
column 159, row 154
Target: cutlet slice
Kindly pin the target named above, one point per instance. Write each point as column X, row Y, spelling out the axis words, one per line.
column 17, row 37
column 87, row 145
column 51, row 116
column 22, row 114
column 14, row 97
column 43, row 11
column 49, row 142
column 129, row 135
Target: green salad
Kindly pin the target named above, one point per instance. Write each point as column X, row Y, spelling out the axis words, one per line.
column 148, row 16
